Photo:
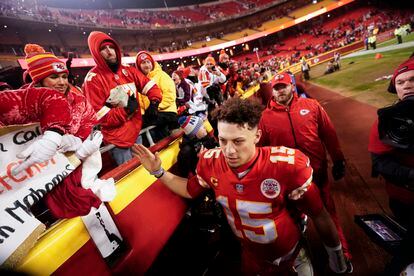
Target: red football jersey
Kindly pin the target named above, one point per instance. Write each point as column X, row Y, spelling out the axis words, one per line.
column 255, row 203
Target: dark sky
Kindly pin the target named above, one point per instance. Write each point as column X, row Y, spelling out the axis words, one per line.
column 120, row 4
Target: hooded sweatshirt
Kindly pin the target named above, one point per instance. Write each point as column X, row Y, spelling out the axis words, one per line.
column 117, row 126
column 165, row 83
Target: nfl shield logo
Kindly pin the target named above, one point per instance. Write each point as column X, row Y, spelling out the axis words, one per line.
column 239, row 188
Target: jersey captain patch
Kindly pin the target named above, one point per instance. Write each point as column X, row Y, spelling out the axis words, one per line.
column 270, row 188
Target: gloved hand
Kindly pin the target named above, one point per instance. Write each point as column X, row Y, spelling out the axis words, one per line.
column 118, row 98
column 69, row 143
column 151, row 113
column 338, row 169
column 337, row 262
column 132, row 105
column 39, row 151
column 89, row 146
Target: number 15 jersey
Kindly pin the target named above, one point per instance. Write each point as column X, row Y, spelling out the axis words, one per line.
column 255, row 202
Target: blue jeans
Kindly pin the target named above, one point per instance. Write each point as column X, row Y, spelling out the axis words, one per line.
column 122, row 155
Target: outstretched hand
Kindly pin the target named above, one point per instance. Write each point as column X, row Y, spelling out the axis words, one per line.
column 150, row 161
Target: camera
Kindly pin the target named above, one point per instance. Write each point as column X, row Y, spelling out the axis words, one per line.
column 213, row 68
column 396, row 124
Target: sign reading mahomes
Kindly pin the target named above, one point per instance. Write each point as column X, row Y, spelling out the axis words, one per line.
column 19, row 192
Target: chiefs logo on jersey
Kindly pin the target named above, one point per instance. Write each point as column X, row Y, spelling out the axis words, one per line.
column 270, row 188
column 303, row 112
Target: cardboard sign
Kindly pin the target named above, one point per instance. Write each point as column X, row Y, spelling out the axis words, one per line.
column 19, row 192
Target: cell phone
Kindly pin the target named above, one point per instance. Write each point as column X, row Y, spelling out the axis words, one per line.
column 383, row 230
column 213, row 68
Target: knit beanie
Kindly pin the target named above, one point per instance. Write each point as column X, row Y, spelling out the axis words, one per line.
column 141, row 56
column 407, row 65
column 180, row 74
column 41, row 64
column 190, row 124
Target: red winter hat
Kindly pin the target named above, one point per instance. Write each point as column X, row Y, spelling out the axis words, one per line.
column 41, row 64
column 281, row 78
column 179, row 73
column 141, row 56
column 407, row 65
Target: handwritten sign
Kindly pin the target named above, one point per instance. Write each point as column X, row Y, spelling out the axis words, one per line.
column 19, row 192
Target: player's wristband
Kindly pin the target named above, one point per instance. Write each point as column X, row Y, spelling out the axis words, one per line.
column 158, row 173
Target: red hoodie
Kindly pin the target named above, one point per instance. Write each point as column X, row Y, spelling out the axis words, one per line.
column 117, row 126
column 303, row 125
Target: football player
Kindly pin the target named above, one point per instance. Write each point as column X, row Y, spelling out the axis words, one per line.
column 253, row 185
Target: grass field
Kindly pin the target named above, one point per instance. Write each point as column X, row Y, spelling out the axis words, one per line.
column 393, row 41
column 357, row 76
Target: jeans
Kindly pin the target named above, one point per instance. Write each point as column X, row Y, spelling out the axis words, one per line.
column 122, row 155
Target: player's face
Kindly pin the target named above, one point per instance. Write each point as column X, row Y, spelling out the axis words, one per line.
column 146, row 66
column 58, row 82
column 404, row 84
column 237, row 143
column 282, row 93
column 109, row 54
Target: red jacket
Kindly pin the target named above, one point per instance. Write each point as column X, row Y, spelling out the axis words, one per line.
column 30, row 105
column 303, row 125
column 82, row 113
column 117, row 127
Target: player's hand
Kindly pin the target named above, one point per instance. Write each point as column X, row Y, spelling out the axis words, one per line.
column 39, row 151
column 150, row 161
column 338, row 169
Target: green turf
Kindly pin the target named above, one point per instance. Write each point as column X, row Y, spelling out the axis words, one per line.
column 357, row 75
column 393, row 41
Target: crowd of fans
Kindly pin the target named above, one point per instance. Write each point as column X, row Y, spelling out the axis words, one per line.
column 138, row 17
column 120, row 18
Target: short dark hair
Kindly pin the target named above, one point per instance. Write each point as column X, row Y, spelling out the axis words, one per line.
column 239, row 111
